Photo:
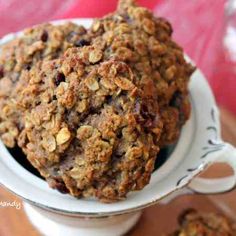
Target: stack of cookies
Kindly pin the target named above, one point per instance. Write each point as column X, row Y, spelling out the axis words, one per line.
column 91, row 108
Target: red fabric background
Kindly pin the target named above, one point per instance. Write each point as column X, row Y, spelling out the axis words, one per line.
column 198, row 27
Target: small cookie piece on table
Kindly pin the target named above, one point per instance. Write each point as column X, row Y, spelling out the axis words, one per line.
column 193, row 223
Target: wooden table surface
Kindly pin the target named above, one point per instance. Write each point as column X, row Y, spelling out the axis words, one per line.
column 156, row 220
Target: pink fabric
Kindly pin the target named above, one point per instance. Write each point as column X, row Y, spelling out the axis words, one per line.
column 17, row 14
column 198, row 27
column 98, row 8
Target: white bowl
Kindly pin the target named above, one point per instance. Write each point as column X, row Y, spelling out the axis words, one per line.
column 199, row 145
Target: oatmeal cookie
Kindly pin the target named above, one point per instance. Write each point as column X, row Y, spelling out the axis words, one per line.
column 132, row 34
column 89, row 128
column 43, row 42
column 207, row 224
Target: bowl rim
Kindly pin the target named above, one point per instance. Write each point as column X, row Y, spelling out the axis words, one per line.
column 202, row 127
